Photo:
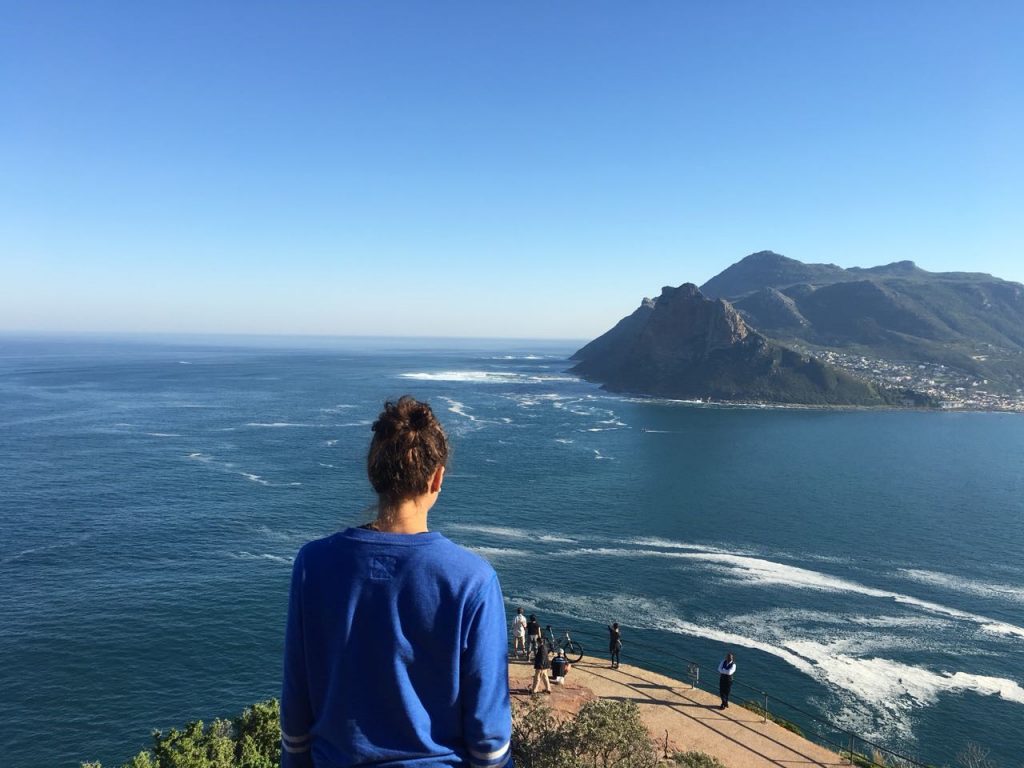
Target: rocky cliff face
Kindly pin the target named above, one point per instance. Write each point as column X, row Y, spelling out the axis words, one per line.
column 685, row 345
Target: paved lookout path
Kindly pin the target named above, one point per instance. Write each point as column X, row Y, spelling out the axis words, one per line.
column 736, row 736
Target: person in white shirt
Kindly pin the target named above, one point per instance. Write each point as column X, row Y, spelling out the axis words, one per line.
column 725, row 672
column 519, row 633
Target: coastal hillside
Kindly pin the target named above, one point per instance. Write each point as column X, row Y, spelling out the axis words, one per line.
column 971, row 324
column 686, row 345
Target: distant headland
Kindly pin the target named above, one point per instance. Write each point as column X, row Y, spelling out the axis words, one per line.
column 776, row 330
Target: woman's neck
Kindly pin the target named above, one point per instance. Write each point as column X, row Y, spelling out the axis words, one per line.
column 407, row 516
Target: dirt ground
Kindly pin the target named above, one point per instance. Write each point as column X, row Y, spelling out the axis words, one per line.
column 690, row 718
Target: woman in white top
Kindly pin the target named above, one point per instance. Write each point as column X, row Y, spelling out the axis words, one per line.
column 519, row 633
column 725, row 672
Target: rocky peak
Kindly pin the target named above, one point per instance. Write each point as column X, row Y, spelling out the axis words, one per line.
column 688, row 324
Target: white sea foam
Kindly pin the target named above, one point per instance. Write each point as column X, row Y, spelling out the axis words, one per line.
column 337, row 408
column 330, row 443
column 491, row 530
column 255, row 478
column 759, row 572
column 523, row 357
column 889, row 688
column 163, row 434
column 556, row 539
column 495, row 553
column 1014, row 594
column 564, row 441
column 484, row 377
column 600, row 456
column 261, row 556
column 70, row 541
column 459, row 409
column 281, row 424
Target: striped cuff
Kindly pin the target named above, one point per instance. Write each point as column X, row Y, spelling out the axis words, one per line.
column 495, row 759
column 295, row 744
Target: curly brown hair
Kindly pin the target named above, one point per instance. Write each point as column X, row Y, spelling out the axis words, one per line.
column 408, row 446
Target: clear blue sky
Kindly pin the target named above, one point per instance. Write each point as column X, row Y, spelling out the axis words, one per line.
column 487, row 168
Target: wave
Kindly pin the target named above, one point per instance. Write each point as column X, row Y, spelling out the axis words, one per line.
column 600, row 456
column 281, row 424
column 163, row 434
column 964, row 585
column 484, row 377
column 490, row 530
column 494, row 553
column 889, row 688
column 229, row 466
column 524, row 357
column 459, row 409
column 261, row 556
column 759, row 572
column 43, row 548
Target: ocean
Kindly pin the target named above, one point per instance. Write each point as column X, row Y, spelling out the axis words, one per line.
column 864, row 566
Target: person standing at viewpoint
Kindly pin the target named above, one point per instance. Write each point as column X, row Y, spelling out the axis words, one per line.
column 614, row 643
column 725, row 672
column 540, row 667
column 519, row 633
column 395, row 646
column 532, row 635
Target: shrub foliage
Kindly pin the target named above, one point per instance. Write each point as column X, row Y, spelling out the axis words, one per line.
column 604, row 734
column 251, row 740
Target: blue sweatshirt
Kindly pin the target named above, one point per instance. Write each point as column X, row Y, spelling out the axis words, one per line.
column 395, row 655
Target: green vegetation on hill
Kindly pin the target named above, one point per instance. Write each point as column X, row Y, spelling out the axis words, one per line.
column 970, row 321
column 603, row 734
column 684, row 345
column 251, row 740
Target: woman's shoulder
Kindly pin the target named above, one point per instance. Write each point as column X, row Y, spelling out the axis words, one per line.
column 464, row 559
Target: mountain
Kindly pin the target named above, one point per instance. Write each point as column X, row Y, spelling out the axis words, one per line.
column 971, row 321
column 685, row 345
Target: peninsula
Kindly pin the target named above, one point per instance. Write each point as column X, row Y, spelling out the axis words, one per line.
column 774, row 329
column 687, row 346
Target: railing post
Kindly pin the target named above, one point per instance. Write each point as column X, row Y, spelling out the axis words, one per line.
column 851, row 748
column 765, row 705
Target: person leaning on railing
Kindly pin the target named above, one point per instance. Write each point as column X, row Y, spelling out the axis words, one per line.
column 395, row 647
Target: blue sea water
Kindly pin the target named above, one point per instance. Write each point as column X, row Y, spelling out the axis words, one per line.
column 863, row 565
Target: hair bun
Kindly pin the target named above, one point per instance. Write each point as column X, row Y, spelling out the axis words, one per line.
column 420, row 418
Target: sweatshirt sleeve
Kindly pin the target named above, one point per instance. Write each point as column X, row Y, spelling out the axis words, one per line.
column 296, row 713
column 486, row 708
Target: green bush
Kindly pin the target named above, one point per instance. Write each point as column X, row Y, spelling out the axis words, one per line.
column 252, row 740
column 604, row 734
column 697, row 760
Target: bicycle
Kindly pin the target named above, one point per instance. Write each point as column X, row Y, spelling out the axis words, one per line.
column 573, row 649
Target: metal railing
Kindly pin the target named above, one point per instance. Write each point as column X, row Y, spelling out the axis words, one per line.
column 851, row 746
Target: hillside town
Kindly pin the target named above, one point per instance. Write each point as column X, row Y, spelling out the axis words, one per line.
column 950, row 388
